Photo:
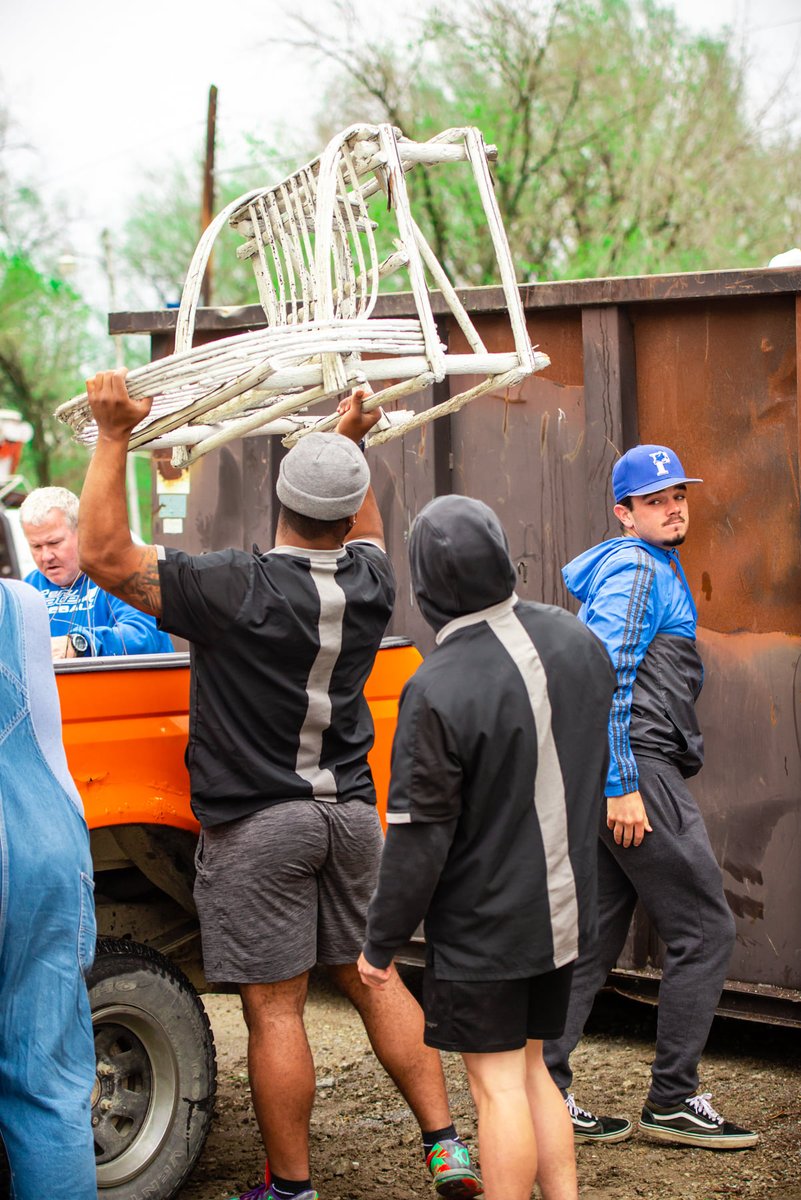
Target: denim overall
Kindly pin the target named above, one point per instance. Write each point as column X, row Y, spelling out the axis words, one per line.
column 47, row 924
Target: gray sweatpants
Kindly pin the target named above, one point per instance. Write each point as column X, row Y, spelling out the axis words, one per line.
column 675, row 875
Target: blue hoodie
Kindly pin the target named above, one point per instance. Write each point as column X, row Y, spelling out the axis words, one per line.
column 642, row 610
column 110, row 625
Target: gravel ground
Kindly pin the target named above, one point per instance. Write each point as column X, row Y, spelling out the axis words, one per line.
column 365, row 1144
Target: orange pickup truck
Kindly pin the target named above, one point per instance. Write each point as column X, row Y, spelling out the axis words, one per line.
column 125, row 724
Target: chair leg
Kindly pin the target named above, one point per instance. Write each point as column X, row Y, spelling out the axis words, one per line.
column 509, row 379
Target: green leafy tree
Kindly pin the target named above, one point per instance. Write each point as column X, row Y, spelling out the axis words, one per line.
column 46, row 330
column 45, row 343
column 625, row 142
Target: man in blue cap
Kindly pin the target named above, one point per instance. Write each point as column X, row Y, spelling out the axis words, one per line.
column 653, row 845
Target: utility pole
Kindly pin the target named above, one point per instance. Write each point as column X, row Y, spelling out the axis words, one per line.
column 119, row 361
column 207, row 205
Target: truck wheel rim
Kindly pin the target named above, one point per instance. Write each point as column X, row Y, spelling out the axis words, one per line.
column 135, row 1095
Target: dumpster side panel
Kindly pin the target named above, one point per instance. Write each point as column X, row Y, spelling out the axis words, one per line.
column 523, row 452
column 750, row 798
column 718, row 382
column 708, row 364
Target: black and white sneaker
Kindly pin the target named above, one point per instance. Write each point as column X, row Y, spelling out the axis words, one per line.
column 694, row 1122
column 589, row 1128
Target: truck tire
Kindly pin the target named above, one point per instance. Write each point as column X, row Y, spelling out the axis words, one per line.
column 153, row 1099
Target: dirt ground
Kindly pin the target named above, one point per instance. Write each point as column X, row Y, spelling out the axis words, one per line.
column 365, row 1144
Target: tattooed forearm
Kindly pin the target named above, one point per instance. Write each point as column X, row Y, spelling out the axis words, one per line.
column 142, row 588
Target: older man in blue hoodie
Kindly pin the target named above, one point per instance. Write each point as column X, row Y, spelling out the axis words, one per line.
column 85, row 621
column 498, row 768
column 653, row 842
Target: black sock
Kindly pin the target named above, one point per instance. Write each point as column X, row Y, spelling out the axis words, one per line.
column 286, row 1189
column 431, row 1137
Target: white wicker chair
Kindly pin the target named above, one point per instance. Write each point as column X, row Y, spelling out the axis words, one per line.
column 311, row 241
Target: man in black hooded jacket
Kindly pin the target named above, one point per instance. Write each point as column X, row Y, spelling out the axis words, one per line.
column 498, row 768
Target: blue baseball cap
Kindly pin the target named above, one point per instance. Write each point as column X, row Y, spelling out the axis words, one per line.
column 646, row 469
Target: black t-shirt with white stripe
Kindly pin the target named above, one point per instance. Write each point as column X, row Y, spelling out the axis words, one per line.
column 281, row 647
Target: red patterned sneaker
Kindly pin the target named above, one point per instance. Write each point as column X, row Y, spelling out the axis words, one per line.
column 454, row 1178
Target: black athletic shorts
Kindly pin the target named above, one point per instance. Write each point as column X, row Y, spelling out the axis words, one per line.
column 485, row 1017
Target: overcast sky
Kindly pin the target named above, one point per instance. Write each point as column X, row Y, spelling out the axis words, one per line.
column 101, row 89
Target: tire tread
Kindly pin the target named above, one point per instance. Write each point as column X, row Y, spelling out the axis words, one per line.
column 109, row 955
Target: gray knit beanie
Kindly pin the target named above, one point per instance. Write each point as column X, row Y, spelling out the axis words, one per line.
column 324, row 476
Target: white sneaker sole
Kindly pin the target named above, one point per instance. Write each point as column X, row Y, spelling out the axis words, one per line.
column 602, row 1139
column 704, row 1141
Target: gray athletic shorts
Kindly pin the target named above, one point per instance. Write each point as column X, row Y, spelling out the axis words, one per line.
column 286, row 888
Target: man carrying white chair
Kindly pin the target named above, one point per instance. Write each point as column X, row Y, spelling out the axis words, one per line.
column 282, row 643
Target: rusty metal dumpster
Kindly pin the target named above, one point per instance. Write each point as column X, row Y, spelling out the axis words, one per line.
column 706, row 363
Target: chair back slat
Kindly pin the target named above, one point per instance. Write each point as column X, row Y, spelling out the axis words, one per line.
column 264, row 283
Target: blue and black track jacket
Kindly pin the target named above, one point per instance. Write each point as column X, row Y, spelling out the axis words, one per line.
column 636, row 600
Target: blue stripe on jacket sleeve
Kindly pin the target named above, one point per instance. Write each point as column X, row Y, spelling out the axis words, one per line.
column 621, row 613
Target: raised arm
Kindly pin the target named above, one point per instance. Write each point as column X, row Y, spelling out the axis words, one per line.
column 356, row 424
column 106, row 550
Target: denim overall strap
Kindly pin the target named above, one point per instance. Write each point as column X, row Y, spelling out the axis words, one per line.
column 47, row 1065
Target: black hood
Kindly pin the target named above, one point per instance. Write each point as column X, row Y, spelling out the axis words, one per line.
column 459, row 558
